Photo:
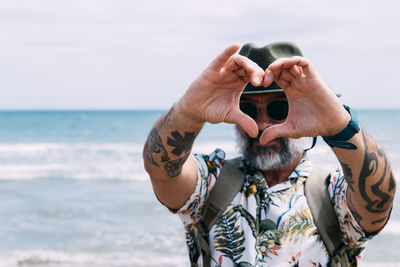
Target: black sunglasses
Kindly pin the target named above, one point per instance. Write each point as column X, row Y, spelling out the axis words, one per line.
column 276, row 109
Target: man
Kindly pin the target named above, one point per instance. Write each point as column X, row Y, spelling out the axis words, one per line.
column 268, row 223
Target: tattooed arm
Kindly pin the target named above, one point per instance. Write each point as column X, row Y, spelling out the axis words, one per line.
column 213, row 97
column 166, row 157
column 314, row 110
column 371, row 185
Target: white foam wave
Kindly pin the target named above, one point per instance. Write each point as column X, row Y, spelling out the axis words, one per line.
column 75, row 160
column 34, row 148
column 105, row 160
column 83, row 160
column 51, row 258
column 112, row 170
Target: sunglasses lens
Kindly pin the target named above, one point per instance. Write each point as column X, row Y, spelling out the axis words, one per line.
column 278, row 110
column 249, row 109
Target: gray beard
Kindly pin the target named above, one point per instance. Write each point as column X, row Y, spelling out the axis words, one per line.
column 267, row 158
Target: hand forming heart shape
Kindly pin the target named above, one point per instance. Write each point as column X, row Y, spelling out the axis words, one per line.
column 313, row 108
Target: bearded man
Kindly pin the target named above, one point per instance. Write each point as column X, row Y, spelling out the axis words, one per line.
column 274, row 96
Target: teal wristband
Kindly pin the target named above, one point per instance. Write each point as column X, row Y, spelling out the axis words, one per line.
column 340, row 139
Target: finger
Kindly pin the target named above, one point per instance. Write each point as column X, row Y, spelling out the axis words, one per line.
column 269, row 77
column 273, row 132
column 245, row 79
column 286, row 75
column 277, row 65
column 256, row 78
column 241, row 72
column 305, row 66
column 295, row 70
column 254, row 71
column 222, row 58
column 287, row 63
column 243, row 75
column 238, row 62
column 283, row 84
column 245, row 122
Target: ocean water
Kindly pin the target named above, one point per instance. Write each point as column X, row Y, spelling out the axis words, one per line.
column 73, row 191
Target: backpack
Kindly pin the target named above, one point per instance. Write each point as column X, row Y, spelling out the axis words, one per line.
column 230, row 182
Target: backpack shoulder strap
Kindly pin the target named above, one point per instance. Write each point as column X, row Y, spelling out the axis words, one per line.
column 324, row 215
column 228, row 184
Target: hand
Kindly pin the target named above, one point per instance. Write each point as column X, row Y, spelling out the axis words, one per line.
column 214, row 96
column 313, row 108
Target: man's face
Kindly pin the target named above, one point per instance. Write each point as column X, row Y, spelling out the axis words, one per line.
column 267, row 110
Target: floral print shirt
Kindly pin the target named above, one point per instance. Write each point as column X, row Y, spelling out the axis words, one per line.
column 266, row 226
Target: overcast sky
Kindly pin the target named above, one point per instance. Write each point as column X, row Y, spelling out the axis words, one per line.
column 128, row 54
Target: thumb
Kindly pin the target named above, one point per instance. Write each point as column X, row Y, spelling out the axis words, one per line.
column 245, row 122
column 273, row 132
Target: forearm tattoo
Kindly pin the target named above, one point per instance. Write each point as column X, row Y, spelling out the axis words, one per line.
column 154, row 145
column 178, row 142
column 167, row 118
column 377, row 193
column 356, row 215
column 348, row 174
column 174, row 167
column 381, row 220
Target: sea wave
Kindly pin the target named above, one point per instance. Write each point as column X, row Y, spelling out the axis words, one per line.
column 53, row 258
column 111, row 170
column 82, row 160
column 72, row 160
column 105, row 160
column 34, row 148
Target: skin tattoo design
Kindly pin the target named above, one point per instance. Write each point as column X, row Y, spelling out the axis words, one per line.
column 378, row 200
column 174, row 167
column 356, row 215
column 167, row 118
column 180, row 143
column 154, row 145
column 348, row 174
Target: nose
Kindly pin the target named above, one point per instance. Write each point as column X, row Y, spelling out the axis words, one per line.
column 263, row 120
